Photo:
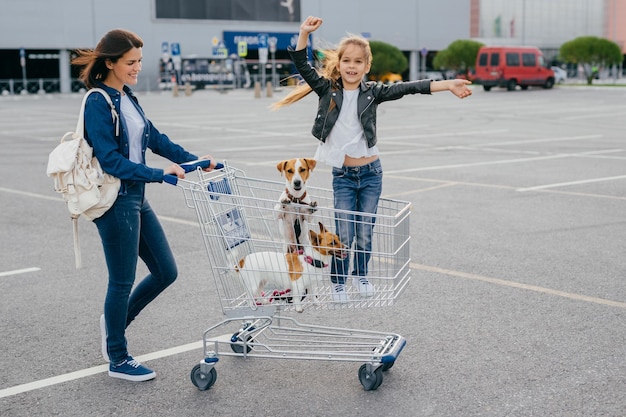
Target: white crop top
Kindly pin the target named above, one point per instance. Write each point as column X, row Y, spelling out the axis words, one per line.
column 346, row 137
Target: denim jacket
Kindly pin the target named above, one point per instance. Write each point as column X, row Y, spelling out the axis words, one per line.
column 370, row 95
column 113, row 152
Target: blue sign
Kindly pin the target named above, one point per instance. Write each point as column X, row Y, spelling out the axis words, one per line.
column 175, row 49
column 424, row 51
column 165, row 47
column 253, row 40
column 22, row 52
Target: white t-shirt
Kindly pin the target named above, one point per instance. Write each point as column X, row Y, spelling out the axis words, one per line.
column 135, row 125
column 346, row 137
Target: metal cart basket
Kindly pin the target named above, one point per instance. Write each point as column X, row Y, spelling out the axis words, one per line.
column 237, row 216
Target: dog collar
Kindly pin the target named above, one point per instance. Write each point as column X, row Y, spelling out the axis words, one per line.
column 295, row 199
column 315, row 262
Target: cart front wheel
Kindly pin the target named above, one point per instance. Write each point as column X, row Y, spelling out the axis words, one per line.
column 201, row 380
column 370, row 380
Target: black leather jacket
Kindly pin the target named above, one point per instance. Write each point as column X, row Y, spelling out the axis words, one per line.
column 370, row 95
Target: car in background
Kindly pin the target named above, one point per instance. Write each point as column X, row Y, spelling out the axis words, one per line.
column 510, row 66
column 560, row 75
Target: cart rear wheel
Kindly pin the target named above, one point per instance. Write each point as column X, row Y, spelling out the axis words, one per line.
column 370, row 380
column 201, row 380
column 237, row 348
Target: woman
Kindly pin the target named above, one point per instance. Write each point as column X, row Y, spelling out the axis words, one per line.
column 130, row 229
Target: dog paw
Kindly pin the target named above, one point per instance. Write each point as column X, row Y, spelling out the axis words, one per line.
column 285, row 201
column 313, row 206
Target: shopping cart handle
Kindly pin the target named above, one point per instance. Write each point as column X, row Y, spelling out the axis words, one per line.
column 170, row 179
column 189, row 167
column 199, row 163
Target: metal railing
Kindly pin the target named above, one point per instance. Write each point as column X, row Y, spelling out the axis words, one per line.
column 15, row 86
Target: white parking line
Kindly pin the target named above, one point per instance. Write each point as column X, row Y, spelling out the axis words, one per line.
column 59, row 379
column 26, row 193
column 476, row 164
column 19, row 271
column 566, row 184
column 519, row 285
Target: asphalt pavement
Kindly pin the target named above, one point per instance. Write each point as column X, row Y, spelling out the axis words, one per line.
column 517, row 299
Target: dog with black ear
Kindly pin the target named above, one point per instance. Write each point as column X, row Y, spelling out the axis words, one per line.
column 292, row 216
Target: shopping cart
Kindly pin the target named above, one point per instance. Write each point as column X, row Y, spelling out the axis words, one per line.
column 237, row 217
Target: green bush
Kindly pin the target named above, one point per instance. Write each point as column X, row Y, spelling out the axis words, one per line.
column 387, row 58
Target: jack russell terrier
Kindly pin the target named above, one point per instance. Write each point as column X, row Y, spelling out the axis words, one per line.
column 293, row 219
column 296, row 273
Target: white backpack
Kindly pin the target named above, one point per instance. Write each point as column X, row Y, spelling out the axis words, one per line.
column 77, row 174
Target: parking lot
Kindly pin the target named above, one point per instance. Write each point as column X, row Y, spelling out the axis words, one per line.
column 516, row 306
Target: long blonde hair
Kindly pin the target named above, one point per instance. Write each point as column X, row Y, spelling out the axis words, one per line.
column 329, row 68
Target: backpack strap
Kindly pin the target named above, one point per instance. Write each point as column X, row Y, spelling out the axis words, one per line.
column 80, row 125
column 77, row 258
column 80, row 132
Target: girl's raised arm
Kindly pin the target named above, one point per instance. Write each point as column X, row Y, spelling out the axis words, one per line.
column 310, row 24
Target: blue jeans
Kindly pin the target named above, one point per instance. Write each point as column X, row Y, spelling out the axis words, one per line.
column 356, row 189
column 130, row 230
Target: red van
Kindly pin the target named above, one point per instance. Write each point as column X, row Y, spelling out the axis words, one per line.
column 510, row 66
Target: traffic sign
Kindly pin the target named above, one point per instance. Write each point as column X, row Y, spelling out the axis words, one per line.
column 263, row 56
column 424, row 51
column 242, row 49
column 272, row 43
column 263, row 37
column 175, row 49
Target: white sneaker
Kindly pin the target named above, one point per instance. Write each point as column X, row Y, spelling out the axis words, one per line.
column 103, row 339
column 340, row 295
column 363, row 285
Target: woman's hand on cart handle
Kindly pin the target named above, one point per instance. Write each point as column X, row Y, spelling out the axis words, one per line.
column 213, row 164
column 207, row 163
column 172, row 173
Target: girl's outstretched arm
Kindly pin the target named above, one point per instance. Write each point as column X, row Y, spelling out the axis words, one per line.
column 310, row 24
column 458, row 87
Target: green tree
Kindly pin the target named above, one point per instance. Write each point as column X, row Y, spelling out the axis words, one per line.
column 591, row 52
column 460, row 56
column 387, row 58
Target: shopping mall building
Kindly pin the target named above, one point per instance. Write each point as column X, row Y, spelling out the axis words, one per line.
column 37, row 37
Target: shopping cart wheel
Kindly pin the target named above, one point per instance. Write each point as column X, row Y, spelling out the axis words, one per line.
column 387, row 366
column 237, row 348
column 370, row 380
column 201, row 380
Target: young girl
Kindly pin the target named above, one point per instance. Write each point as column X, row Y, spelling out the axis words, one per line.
column 345, row 124
column 130, row 229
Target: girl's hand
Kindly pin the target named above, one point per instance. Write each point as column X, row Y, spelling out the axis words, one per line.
column 458, row 87
column 310, row 24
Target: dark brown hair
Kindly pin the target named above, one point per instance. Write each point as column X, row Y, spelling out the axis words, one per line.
column 111, row 47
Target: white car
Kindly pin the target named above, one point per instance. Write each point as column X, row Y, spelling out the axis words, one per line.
column 560, row 75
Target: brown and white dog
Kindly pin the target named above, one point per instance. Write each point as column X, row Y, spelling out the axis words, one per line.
column 293, row 219
column 297, row 273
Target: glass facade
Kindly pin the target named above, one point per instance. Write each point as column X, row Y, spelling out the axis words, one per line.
column 246, row 10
